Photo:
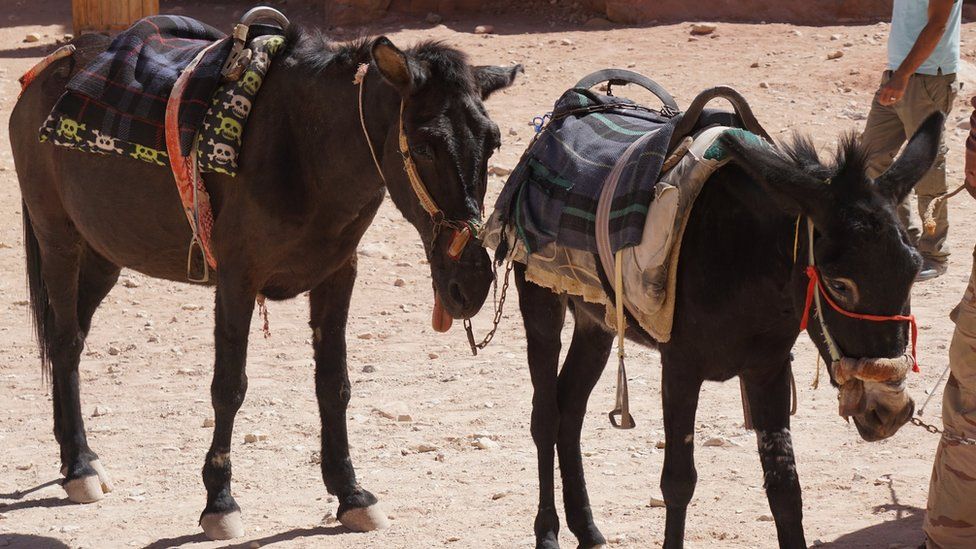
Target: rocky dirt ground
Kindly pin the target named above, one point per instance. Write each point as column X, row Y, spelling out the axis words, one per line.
column 146, row 368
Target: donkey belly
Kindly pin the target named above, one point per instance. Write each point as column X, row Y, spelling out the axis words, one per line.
column 129, row 211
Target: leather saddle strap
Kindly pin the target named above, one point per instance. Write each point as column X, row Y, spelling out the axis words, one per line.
column 742, row 110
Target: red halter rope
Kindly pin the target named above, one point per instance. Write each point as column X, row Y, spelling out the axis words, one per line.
column 814, row 275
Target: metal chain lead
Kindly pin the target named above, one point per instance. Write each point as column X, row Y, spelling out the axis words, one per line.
column 499, row 307
column 948, row 436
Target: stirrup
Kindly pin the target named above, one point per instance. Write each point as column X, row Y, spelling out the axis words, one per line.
column 626, row 420
column 240, row 57
column 196, row 252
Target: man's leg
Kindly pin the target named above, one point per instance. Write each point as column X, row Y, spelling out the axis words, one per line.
column 925, row 95
column 950, row 519
column 884, row 134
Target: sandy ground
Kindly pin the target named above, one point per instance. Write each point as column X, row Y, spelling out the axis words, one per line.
column 148, row 360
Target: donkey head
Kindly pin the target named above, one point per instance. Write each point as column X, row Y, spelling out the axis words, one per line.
column 866, row 263
column 449, row 138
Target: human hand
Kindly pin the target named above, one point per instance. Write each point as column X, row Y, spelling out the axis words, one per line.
column 893, row 90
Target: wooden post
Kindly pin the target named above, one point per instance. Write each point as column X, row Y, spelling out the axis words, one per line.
column 109, row 15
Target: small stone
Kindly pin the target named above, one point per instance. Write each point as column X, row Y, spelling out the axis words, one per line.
column 512, row 131
column 754, row 65
column 375, row 250
column 764, row 518
column 835, row 55
column 659, row 445
column 617, row 540
column 129, row 283
column 100, row 411
column 433, row 18
column 719, row 442
column 701, row 29
column 499, row 170
column 329, row 519
column 251, row 438
column 424, row 448
column 655, row 502
column 566, row 42
column 399, row 283
column 365, row 335
column 858, row 477
column 25, row 467
column 848, row 44
column 433, row 356
column 191, row 307
column 114, row 351
column 882, row 480
column 835, row 37
column 208, row 423
column 369, row 369
column 499, row 495
column 764, row 85
column 32, row 37
column 484, row 29
column 397, row 411
column 796, row 32
column 485, row 443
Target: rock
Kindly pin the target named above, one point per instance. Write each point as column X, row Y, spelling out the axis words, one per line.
column 25, row 467
column 659, row 445
column 754, row 65
column 719, row 442
column 499, row 170
column 848, row 44
column 375, row 250
column 598, row 23
column 191, row 307
column 369, row 369
column 617, row 540
column 513, row 132
column 208, row 423
column 423, row 448
column 365, row 335
column 484, row 29
column 113, row 350
column 655, row 502
column 433, row 18
column 500, row 495
column 397, row 411
column 882, row 480
column 835, row 55
column 835, row 37
column 796, row 32
column 566, row 42
column 32, row 37
column 484, row 443
column 765, row 518
column 764, row 85
column 399, row 283
column 433, row 356
column 858, row 477
column 100, row 411
column 251, row 438
column 129, row 283
column 701, row 29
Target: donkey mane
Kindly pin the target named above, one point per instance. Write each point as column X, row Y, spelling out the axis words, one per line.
column 314, row 51
column 849, row 162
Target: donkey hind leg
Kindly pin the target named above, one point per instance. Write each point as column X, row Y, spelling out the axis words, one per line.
column 769, row 401
column 329, row 303
column 543, row 314
column 221, row 518
column 679, row 395
column 585, row 361
column 74, row 283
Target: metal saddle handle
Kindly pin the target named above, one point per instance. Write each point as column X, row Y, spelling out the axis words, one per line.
column 739, row 104
column 240, row 56
column 621, row 77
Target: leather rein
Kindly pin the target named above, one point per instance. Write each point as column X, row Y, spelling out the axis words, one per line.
column 463, row 230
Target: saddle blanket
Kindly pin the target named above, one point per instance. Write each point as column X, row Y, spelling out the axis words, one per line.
column 117, row 104
column 552, row 194
column 649, row 268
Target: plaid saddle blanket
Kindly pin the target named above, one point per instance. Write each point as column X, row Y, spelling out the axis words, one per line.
column 552, row 194
column 117, row 104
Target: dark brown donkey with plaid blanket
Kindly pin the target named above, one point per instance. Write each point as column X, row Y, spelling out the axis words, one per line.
column 289, row 223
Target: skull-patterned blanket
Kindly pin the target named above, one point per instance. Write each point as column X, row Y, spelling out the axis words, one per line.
column 223, row 127
column 117, row 103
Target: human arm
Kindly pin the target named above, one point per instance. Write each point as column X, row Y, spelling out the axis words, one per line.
column 894, row 89
column 971, row 153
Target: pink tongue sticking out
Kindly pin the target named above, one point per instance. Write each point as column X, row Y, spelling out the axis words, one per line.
column 441, row 320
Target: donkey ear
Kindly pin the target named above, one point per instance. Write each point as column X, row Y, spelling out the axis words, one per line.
column 793, row 189
column 397, row 69
column 915, row 161
column 490, row 79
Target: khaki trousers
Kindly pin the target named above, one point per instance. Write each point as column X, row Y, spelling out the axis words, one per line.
column 950, row 518
column 887, row 129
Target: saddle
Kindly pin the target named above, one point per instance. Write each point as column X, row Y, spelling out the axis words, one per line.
column 170, row 90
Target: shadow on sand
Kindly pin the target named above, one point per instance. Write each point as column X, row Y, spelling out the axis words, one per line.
column 298, row 533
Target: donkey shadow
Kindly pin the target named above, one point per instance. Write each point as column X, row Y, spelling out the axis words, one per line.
column 297, row 533
column 904, row 531
column 30, row 541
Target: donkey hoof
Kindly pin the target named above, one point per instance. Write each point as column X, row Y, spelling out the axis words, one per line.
column 103, row 477
column 221, row 526
column 84, row 490
column 364, row 519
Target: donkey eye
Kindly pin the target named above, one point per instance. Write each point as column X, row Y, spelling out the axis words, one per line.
column 422, row 149
column 838, row 288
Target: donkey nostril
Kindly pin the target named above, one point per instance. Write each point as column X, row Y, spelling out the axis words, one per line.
column 455, row 290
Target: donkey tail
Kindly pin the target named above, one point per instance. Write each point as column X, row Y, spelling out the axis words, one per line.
column 40, row 307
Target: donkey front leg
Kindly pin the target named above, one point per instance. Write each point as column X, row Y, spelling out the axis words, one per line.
column 769, row 402
column 221, row 519
column 329, row 304
column 679, row 394
column 543, row 314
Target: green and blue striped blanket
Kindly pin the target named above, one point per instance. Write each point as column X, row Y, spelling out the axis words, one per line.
column 552, row 194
